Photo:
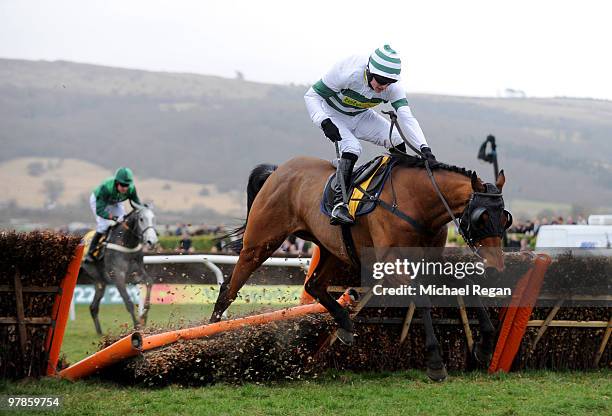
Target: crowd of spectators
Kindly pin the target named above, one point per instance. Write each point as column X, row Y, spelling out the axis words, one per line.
column 531, row 227
column 292, row 246
column 521, row 233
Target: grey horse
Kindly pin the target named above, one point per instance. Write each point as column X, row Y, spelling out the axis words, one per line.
column 123, row 258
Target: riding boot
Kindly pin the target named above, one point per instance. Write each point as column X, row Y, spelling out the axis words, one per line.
column 340, row 213
column 93, row 246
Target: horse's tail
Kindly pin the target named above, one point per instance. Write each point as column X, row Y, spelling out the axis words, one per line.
column 257, row 178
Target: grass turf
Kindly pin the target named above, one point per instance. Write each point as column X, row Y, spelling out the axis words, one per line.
column 543, row 393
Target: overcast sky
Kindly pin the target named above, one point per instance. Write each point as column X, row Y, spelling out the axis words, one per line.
column 545, row 48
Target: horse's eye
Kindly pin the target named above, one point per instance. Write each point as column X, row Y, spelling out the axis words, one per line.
column 479, row 217
column 482, row 220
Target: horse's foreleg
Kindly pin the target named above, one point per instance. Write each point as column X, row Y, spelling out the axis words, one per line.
column 249, row 260
column 483, row 349
column 436, row 370
column 147, row 303
column 316, row 287
column 129, row 305
column 94, row 308
column 222, row 302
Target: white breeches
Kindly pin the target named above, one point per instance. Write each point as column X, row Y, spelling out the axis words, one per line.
column 369, row 126
column 116, row 210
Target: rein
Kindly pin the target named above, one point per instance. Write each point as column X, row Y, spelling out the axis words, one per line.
column 394, row 123
column 124, row 249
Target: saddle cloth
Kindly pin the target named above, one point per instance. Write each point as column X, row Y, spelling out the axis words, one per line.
column 371, row 176
column 98, row 254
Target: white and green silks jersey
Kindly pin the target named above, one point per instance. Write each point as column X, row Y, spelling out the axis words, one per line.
column 344, row 90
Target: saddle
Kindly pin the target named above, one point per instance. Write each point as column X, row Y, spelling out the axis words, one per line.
column 98, row 253
column 371, row 177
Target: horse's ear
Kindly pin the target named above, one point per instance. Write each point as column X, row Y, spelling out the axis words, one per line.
column 501, row 180
column 477, row 184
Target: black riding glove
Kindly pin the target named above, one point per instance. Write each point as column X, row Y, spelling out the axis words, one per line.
column 426, row 151
column 330, row 130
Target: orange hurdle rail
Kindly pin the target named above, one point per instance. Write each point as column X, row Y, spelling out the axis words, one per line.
column 133, row 344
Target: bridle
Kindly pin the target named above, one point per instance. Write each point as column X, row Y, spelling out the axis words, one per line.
column 139, row 235
column 144, row 230
column 466, row 224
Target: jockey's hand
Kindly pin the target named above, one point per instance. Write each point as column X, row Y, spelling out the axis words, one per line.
column 427, row 154
column 330, row 130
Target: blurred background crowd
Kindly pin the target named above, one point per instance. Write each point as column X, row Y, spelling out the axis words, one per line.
column 213, row 238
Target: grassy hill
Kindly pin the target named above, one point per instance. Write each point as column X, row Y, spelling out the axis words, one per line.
column 38, row 182
column 205, row 130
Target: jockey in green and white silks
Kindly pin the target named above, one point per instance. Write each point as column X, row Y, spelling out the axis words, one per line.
column 341, row 104
column 106, row 202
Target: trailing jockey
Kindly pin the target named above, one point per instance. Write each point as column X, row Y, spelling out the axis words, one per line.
column 341, row 104
column 106, row 202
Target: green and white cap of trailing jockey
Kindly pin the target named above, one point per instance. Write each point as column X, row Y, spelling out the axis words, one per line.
column 124, row 176
column 385, row 62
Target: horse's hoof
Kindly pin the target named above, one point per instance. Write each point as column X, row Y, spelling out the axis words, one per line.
column 345, row 337
column 481, row 356
column 437, row 374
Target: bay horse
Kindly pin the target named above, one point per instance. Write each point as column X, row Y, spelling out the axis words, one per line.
column 285, row 200
column 123, row 260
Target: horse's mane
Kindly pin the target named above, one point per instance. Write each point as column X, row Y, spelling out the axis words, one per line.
column 410, row 161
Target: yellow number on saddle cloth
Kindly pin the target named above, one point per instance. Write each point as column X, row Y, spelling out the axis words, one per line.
column 86, row 240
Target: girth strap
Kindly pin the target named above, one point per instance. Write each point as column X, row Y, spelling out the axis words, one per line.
column 398, row 213
column 349, row 243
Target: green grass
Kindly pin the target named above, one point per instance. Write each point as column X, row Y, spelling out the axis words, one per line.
column 542, row 393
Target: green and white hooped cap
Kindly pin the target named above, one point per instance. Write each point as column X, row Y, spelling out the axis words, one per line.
column 386, row 63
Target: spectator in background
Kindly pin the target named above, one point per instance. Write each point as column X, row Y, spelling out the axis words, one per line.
column 536, row 226
column 179, row 229
column 557, row 221
column 581, row 220
column 300, row 246
column 529, row 227
column 186, row 244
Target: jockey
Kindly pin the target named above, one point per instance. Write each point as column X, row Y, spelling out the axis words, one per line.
column 106, row 202
column 341, row 104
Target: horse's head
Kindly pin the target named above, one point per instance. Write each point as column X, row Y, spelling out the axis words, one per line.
column 145, row 224
column 485, row 219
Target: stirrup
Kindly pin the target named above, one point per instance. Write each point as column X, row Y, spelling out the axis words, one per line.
column 338, row 205
column 346, row 219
